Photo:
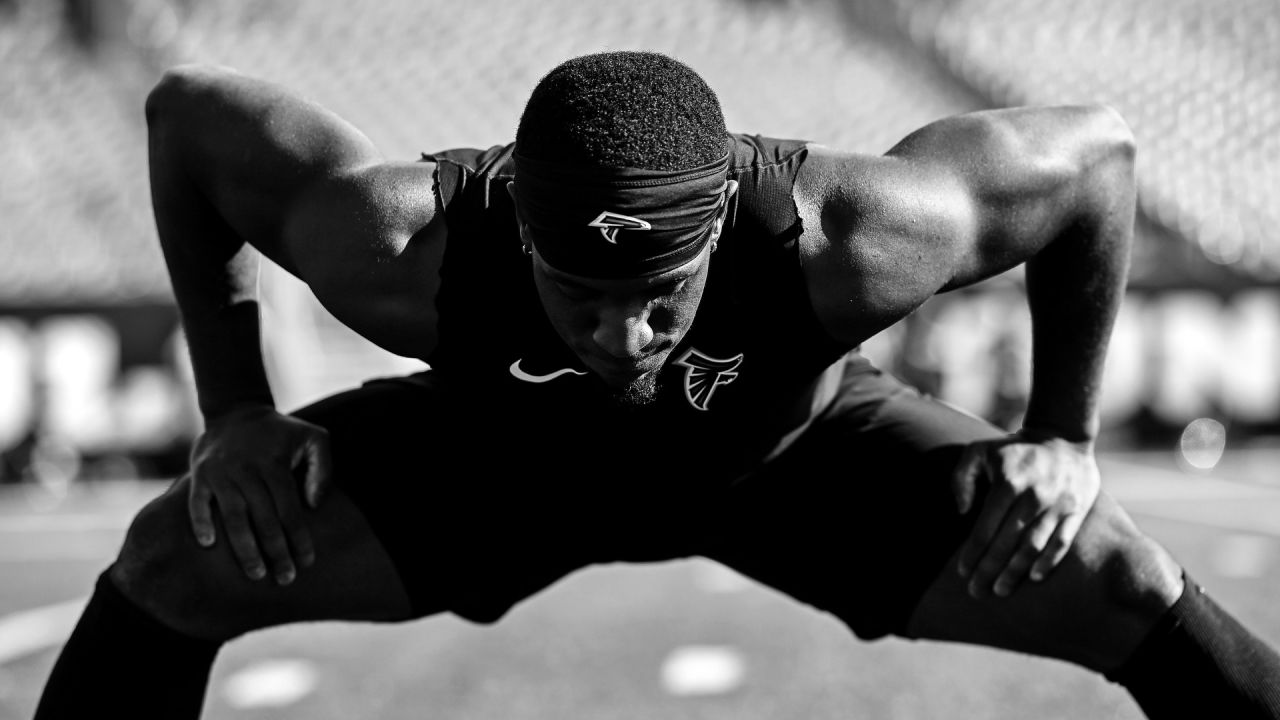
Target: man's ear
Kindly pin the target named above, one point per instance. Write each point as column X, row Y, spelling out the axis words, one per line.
column 724, row 209
column 511, row 191
column 515, row 201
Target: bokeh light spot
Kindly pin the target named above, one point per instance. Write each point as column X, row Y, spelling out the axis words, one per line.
column 1202, row 443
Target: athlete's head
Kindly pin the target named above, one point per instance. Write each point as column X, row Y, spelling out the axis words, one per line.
column 621, row 189
column 623, row 109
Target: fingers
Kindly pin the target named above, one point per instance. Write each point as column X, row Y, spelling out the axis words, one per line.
column 289, row 517
column 235, row 518
column 200, row 509
column 265, row 518
column 264, row 534
column 1029, row 546
column 1057, row 545
column 1038, row 497
column 990, row 518
column 1010, row 521
column 1010, row 531
column 1031, row 542
column 246, row 464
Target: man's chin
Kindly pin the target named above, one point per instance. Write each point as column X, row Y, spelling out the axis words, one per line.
column 636, row 394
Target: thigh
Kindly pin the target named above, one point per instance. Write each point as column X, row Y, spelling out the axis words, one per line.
column 416, row 524
column 859, row 517
column 462, row 513
column 1094, row 609
column 861, row 521
column 204, row 593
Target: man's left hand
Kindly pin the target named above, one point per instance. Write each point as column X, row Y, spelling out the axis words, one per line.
column 1040, row 488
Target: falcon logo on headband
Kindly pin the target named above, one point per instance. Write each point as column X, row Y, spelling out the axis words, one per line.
column 611, row 222
column 705, row 374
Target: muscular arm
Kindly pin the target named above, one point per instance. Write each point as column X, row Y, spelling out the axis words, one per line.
column 967, row 198
column 242, row 168
column 959, row 201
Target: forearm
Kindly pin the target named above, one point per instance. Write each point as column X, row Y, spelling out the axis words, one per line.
column 214, row 277
column 1075, row 286
column 221, row 323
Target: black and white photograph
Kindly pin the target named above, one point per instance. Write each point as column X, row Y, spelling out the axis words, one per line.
column 634, row 359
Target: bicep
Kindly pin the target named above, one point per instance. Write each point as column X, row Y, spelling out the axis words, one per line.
column 880, row 239
column 1020, row 177
column 311, row 193
column 954, row 203
column 369, row 245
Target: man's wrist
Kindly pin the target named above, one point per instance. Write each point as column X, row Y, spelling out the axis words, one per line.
column 1081, row 438
column 221, row 409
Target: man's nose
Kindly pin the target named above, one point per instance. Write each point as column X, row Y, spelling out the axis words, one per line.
column 623, row 332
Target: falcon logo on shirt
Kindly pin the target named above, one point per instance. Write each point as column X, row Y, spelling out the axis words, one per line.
column 705, row 374
column 611, row 222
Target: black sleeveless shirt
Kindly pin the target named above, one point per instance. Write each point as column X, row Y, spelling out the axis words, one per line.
column 729, row 391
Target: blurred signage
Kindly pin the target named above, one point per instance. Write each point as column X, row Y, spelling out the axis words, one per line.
column 65, row 393
column 1174, row 357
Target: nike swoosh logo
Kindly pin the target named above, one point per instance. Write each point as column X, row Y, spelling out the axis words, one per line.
column 519, row 374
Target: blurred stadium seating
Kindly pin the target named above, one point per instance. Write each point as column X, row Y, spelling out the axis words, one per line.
column 1199, row 80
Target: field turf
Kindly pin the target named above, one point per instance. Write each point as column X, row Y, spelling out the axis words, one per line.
column 677, row 640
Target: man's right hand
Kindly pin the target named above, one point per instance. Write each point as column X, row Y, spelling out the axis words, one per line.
column 248, row 461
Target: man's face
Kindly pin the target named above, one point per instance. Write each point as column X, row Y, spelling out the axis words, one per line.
column 623, row 330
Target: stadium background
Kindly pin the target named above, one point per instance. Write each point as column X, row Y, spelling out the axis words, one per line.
column 95, row 390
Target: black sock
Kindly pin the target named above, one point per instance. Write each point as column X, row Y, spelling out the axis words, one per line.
column 120, row 662
column 1199, row 662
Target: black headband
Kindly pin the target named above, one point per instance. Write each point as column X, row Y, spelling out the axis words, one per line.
column 619, row 222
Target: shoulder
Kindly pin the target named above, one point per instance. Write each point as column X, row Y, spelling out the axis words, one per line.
column 954, row 202
column 394, row 216
column 881, row 236
column 369, row 242
column 367, row 214
column 848, row 191
column 986, row 155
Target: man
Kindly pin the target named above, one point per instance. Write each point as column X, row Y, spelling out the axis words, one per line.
column 642, row 333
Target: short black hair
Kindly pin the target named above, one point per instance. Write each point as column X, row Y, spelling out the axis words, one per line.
column 623, row 109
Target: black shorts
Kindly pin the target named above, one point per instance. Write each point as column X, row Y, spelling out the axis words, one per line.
column 856, row 518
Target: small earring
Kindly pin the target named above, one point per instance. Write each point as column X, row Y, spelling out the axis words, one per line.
column 714, row 245
column 527, row 248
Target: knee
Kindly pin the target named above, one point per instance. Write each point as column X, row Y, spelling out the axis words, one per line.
column 163, row 571
column 1136, row 575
